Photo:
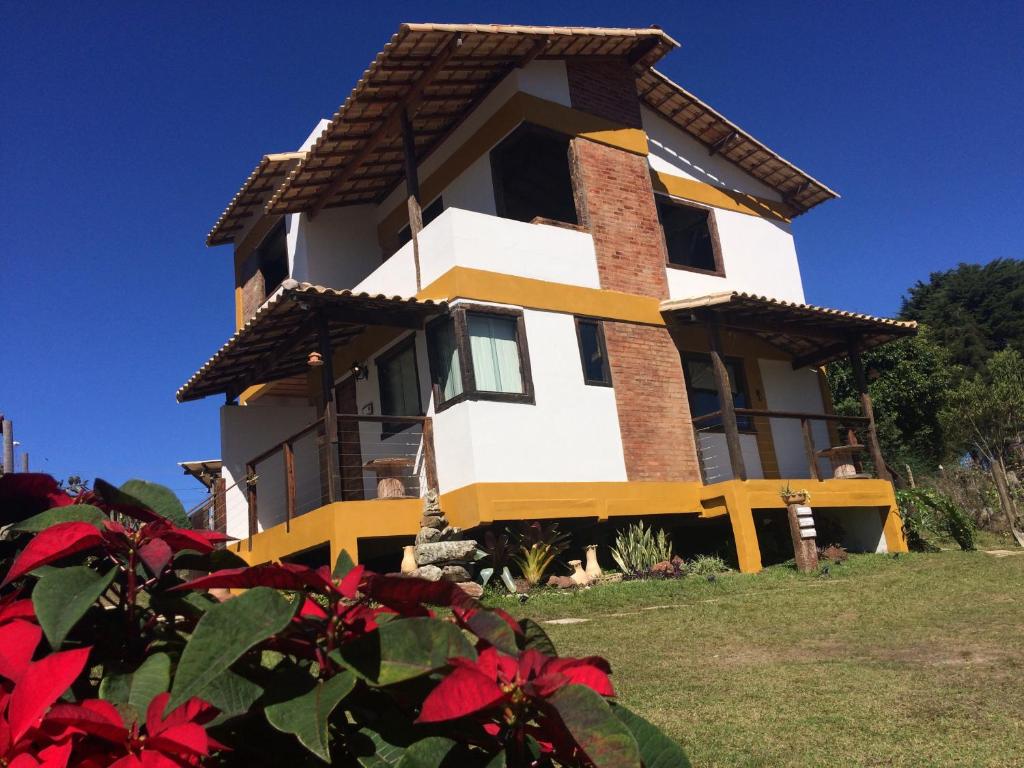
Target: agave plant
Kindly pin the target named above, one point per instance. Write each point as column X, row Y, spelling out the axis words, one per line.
column 497, row 551
column 539, row 545
column 638, row 549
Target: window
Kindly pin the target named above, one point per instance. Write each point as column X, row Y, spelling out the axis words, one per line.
column 479, row 353
column 593, row 353
column 691, row 237
column 272, row 257
column 430, row 213
column 703, row 392
column 530, row 168
column 399, row 385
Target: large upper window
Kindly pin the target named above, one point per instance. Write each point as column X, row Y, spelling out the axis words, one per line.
column 530, row 168
column 272, row 257
column 593, row 354
column 399, row 384
column 479, row 354
column 703, row 392
column 691, row 237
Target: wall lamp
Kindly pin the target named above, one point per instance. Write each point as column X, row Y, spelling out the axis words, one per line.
column 360, row 372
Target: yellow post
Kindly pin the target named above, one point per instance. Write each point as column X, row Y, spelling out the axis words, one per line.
column 748, row 551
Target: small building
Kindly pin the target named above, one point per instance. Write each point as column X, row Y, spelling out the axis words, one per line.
column 524, row 268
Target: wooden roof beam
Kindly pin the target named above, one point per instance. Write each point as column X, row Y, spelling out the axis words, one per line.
column 391, row 124
column 722, row 143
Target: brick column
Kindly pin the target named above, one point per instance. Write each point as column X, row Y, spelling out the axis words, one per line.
column 615, row 202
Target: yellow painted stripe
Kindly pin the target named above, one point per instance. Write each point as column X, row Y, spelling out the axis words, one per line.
column 717, row 197
column 467, row 283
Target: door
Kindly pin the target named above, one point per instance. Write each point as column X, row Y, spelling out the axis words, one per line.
column 350, row 458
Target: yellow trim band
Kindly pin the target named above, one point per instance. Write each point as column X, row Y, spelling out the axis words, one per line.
column 717, row 197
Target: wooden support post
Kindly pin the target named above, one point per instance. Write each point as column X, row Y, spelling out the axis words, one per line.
column 412, row 188
column 429, row 461
column 721, row 373
column 805, row 544
column 220, row 505
column 8, row 428
column 860, row 381
column 805, row 427
column 250, row 486
column 330, row 412
column 289, row 485
column 24, row 461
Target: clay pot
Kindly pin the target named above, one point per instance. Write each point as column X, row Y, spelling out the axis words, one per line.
column 579, row 576
column 408, row 559
column 794, row 498
column 593, row 570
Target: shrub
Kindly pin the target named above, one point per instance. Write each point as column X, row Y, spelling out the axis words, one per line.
column 706, row 565
column 928, row 511
column 109, row 656
column 638, row 549
column 539, row 545
column 835, row 553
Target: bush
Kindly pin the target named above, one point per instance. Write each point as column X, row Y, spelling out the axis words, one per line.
column 705, row 565
column 638, row 549
column 926, row 511
column 110, row 656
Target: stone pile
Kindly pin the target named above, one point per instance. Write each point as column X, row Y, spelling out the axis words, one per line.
column 440, row 551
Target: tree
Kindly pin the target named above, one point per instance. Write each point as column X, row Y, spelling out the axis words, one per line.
column 973, row 310
column 985, row 416
column 908, row 382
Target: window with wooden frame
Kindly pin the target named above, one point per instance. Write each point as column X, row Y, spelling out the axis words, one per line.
column 702, row 391
column 691, row 236
column 479, row 353
column 530, row 171
column 272, row 256
column 593, row 352
column 399, row 382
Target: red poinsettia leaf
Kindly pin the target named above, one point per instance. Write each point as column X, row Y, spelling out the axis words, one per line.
column 156, row 554
column 407, row 596
column 195, row 710
column 349, row 585
column 129, row 761
column 52, row 544
column 151, row 758
column 463, row 692
column 508, row 669
column 16, row 609
column 275, row 575
column 95, row 717
column 187, row 739
column 544, row 685
column 24, row 494
column 24, row 760
column 56, row 755
column 310, row 609
column 591, row 671
column 531, row 663
column 180, row 538
column 18, row 641
column 40, row 686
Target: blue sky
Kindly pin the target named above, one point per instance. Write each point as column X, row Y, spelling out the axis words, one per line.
column 125, row 129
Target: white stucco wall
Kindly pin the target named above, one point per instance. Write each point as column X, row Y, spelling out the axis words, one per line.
column 469, row 239
column 862, row 528
column 338, row 248
column 798, row 391
column 247, row 431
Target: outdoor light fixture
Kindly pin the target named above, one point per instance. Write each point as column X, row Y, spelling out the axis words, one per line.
column 315, row 360
column 360, row 371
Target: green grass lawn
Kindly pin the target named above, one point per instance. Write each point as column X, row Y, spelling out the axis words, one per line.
column 910, row 661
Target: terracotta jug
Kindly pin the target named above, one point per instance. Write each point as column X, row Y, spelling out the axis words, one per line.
column 593, row 570
column 408, row 559
column 579, row 576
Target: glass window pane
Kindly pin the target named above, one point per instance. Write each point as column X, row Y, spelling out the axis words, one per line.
column 447, row 366
column 592, row 353
column 398, row 384
column 495, row 348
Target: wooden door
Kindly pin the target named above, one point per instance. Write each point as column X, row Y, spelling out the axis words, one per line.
column 350, row 458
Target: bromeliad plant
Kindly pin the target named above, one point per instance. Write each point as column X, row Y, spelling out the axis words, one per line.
column 113, row 653
column 539, row 545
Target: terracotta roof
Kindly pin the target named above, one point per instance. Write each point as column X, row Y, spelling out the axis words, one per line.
column 276, row 341
column 445, row 69
column 812, row 335
column 262, row 182
column 799, row 189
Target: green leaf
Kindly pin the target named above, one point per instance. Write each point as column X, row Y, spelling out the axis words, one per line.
column 63, row 595
column 603, row 737
column 343, row 565
column 426, row 753
column 656, row 749
column 115, row 687
column 223, row 634
column 75, row 513
column 306, row 715
column 151, row 679
column 219, row 559
column 510, row 584
column 158, row 498
column 536, row 638
column 404, row 649
column 232, row 694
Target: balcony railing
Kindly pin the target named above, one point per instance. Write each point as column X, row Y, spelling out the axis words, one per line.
column 783, row 444
column 377, row 457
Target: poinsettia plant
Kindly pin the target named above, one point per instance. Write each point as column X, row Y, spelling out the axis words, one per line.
column 114, row 653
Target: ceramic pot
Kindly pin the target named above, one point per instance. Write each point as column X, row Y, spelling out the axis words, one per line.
column 579, row 576
column 593, row 570
column 408, row 559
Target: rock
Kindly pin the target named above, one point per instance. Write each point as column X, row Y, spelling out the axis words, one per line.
column 440, row 522
column 443, row 551
column 562, row 582
column 427, row 535
column 456, row 573
column 664, row 568
column 431, row 503
column 450, row 534
column 428, row 572
column 471, row 588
